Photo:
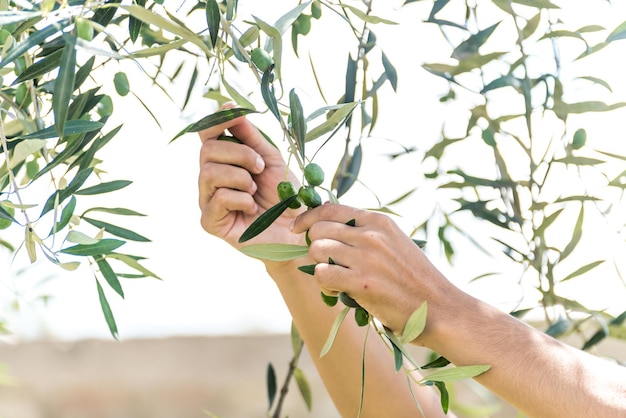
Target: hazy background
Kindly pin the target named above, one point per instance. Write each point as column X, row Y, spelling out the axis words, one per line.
column 210, row 289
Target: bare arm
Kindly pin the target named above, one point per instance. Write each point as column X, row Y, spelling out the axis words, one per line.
column 388, row 275
column 237, row 183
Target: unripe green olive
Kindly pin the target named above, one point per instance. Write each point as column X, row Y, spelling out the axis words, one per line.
column 285, row 190
column 5, row 223
column 314, row 174
column 580, row 137
column 309, row 196
column 261, row 58
column 348, row 301
column 316, row 9
column 22, row 96
column 83, row 29
column 329, row 300
column 361, row 316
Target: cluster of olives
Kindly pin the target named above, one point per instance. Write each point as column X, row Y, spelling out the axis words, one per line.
column 314, row 176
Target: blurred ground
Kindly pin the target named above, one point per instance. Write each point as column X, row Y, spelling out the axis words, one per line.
column 167, row 378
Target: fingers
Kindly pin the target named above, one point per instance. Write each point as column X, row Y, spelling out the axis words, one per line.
column 331, row 213
column 242, row 129
column 225, row 201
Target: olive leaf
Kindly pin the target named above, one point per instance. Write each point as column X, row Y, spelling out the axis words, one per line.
column 213, row 20
column 267, row 92
column 64, row 83
column 415, row 324
column 304, row 387
column 437, row 363
column 275, row 252
column 103, row 246
column 455, row 373
column 214, row 119
column 445, row 397
column 271, row 385
column 298, row 123
column 116, row 230
column 134, row 24
column 110, row 276
column 333, row 331
column 35, row 38
column 106, row 311
column 261, row 223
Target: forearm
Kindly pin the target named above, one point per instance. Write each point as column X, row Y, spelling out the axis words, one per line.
column 386, row 392
column 536, row 373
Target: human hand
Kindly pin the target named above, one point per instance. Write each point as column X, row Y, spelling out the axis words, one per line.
column 237, row 182
column 375, row 263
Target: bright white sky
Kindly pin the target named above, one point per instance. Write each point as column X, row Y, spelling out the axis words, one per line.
column 209, row 288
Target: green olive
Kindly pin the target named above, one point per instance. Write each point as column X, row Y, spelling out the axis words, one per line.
column 5, row 223
column 22, row 96
column 261, row 58
column 580, row 137
column 329, row 300
column 361, row 316
column 348, row 301
column 314, row 174
column 309, row 196
column 316, row 9
column 83, row 29
column 285, row 190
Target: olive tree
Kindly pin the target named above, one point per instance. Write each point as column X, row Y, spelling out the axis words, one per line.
column 516, row 96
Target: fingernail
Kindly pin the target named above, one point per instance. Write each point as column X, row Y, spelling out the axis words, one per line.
column 254, row 188
column 260, row 164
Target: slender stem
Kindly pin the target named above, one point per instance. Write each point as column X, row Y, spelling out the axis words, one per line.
column 293, row 364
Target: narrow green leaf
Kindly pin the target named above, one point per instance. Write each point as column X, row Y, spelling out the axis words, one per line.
column 298, row 123
column 41, row 67
column 261, row 223
column 335, row 119
column 15, row 16
column 576, row 235
column 101, row 247
column 333, row 331
column 214, row 119
column 415, row 325
column 345, row 179
column 104, row 15
column 64, row 83
column 114, row 211
column 397, row 344
column 390, row 72
column 25, row 148
column 106, row 187
column 445, row 397
column 304, row 387
column 213, row 20
column 548, row 220
column 106, row 311
column 110, row 276
column 134, row 24
column 267, row 91
column 32, row 40
column 584, row 269
column 618, row 33
column 471, row 45
column 66, row 215
column 308, row 269
column 240, row 99
column 132, row 262
column 275, row 252
column 116, row 230
column 59, row 196
column 72, row 127
column 456, row 373
column 367, row 17
column 437, row 363
column 271, row 385
column 572, row 159
column 163, row 23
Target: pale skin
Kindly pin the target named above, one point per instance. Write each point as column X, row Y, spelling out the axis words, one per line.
column 382, row 269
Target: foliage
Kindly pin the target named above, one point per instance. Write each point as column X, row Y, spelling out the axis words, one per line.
column 509, row 87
